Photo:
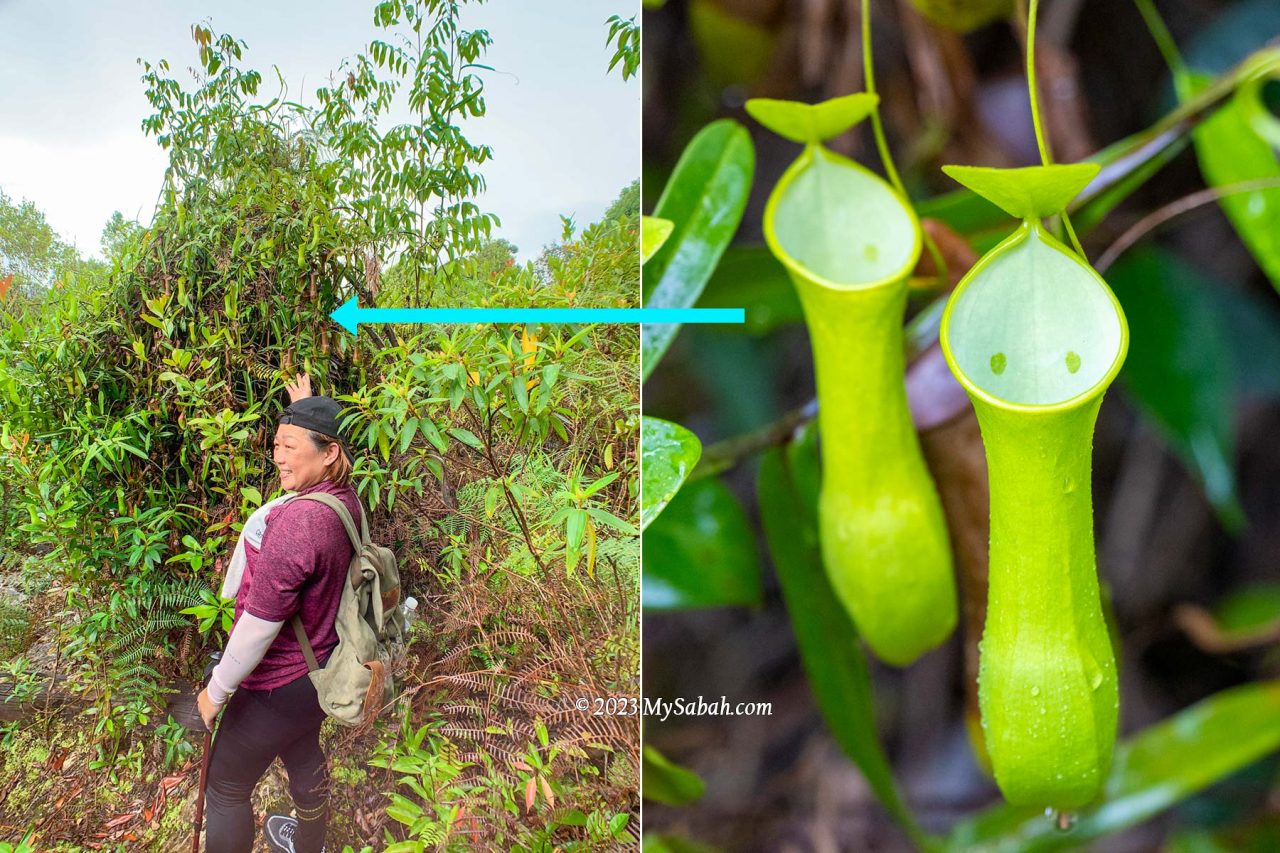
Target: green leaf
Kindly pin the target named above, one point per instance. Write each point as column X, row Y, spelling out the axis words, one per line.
column 467, row 437
column 432, row 434
column 550, row 374
column 600, row 484
column 668, row 783
column 1032, row 192
column 575, row 526
column 701, row 552
column 812, row 123
column 1157, row 768
column 252, row 495
column 605, row 517
column 521, row 393
column 1179, row 367
column 787, row 489
column 653, row 233
column 705, row 198
column 669, row 452
column 407, row 432
column 1231, row 151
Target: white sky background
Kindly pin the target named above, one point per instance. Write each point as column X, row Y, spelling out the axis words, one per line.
column 565, row 136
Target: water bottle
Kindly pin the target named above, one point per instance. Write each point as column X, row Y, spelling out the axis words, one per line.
column 409, row 610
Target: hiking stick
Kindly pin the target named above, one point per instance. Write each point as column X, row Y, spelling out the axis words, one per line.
column 204, row 762
column 204, row 777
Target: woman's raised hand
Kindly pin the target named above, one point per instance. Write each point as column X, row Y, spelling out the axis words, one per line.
column 300, row 387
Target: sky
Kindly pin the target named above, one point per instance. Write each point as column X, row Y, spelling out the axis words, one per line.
column 565, row 136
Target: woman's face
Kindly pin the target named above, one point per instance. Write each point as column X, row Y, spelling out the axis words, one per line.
column 300, row 463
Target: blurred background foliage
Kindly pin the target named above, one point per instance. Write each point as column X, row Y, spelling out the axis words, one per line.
column 1178, row 102
column 138, row 399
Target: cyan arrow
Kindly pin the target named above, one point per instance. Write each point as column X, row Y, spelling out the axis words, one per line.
column 350, row 315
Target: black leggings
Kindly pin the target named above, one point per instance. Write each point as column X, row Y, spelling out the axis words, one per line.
column 257, row 726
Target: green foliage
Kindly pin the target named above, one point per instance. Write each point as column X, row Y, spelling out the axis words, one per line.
column 624, row 34
column 136, row 408
column 669, row 783
column 670, row 454
column 704, row 198
column 1198, row 347
column 788, row 486
column 15, row 630
column 705, row 527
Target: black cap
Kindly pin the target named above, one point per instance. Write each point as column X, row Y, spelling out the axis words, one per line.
column 319, row 414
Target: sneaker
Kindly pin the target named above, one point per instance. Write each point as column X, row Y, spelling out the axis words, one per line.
column 280, row 830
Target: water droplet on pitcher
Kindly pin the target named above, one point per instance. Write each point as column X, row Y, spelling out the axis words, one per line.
column 1073, row 361
column 1095, row 680
column 998, row 363
column 1035, row 691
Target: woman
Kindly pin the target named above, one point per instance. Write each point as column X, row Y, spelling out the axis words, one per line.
column 261, row 681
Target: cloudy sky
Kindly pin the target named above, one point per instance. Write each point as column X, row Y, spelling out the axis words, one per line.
column 566, row 136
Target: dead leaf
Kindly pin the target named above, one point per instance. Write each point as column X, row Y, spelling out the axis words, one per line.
column 530, row 794
column 546, row 791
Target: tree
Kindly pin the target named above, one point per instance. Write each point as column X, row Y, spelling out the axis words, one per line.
column 117, row 233
column 30, row 249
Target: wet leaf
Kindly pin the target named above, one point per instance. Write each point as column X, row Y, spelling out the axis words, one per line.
column 1157, row 768
column 705, row 198
column 1231, row 151
column 701, row 552
column 669, row 452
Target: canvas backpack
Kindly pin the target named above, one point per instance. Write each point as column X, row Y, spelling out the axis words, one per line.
column 356, row 681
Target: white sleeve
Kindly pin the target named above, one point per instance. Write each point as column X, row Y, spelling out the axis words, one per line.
column 249, row 641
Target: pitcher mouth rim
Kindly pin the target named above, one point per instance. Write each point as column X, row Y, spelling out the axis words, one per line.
column 793, row 265
column 1029, row 228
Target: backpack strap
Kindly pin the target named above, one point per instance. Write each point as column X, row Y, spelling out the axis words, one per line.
column 358, row 540
column 307, row 652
